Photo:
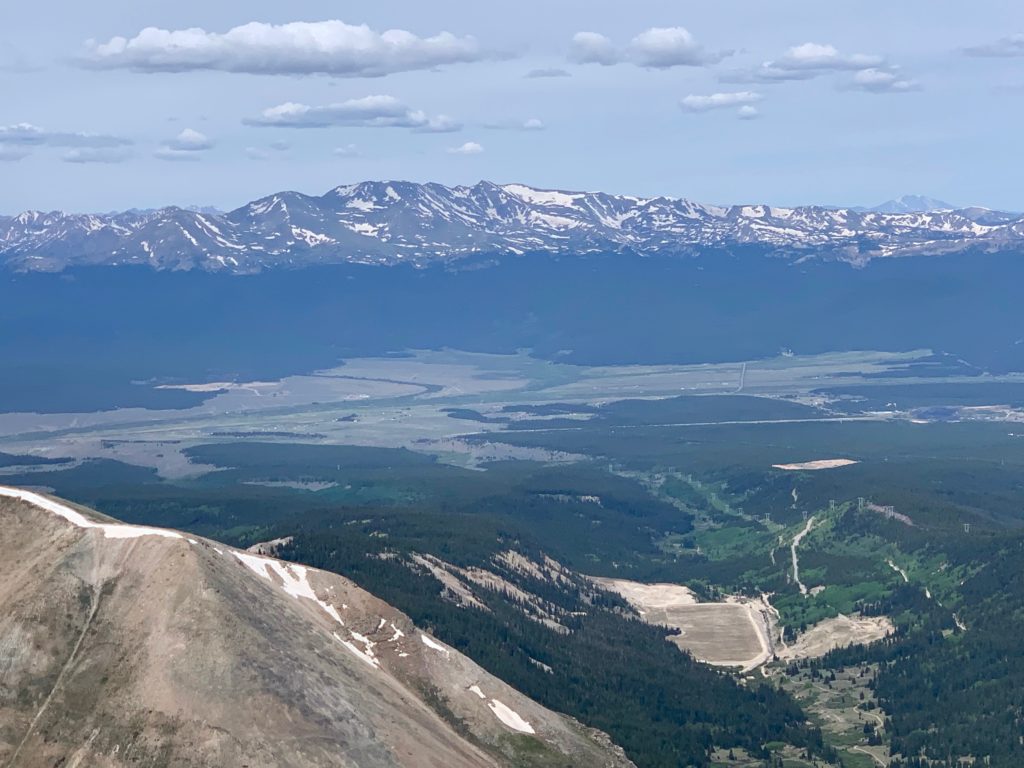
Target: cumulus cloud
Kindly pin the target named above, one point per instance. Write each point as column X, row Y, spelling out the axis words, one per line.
column 189, row 145
column 662, row 47
column 469, row 148
column 531, row 124
column 26, row 134
column 82, row 155
column 298, row 48
column 349, row 150
column 1004, row 47
column 593, row 48
column 747, row 112
column 366, row 112
column 818, row 56
column 547, row 72
column 656, row 48
column 695, row 103
column 882, row 81
column 804, row 62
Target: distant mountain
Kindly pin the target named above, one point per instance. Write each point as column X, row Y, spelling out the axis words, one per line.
column 912, row 204
column 126, row 645
column 379, row 222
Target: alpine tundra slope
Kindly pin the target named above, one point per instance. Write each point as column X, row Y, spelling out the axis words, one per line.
column 134, row 645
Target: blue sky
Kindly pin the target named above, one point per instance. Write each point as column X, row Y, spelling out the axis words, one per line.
column 114, row 105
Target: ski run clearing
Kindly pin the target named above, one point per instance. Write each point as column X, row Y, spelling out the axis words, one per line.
column 817, row 464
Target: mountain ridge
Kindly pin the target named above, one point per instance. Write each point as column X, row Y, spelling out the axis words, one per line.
column 129, row 644
column 394, row 222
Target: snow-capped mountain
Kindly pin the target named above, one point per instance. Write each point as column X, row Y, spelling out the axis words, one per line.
column 394, row 222
column 912, row 204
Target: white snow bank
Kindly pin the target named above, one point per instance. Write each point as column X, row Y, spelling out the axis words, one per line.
column 76, row 518
column 294, row 580
column 432, row 643
column 509, row 717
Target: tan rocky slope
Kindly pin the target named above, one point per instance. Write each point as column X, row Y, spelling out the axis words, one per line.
column 122, row 645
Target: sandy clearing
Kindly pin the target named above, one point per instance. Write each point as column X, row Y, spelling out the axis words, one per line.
column 735, row 633
column 837, row 632
column 646, row 597
column 817, row 464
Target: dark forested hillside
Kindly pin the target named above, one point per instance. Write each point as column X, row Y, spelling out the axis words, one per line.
column 109, row 327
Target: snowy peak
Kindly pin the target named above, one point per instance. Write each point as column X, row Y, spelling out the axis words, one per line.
column 394, row 222
column 912, row 204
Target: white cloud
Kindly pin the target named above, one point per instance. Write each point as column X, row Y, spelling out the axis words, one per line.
column 366, row 112
column 469, row 148
column 882, row 81
column 26, row 134
column 816, row 56
column 747, row 112
column 804, row 62
column 11, row 154
column 349, row 150
column 657, row 48
column 190, row 140
column 96, row 155
column 662, row 47
column 531, row 124
column 547, row 72
column 1004, row 47
column 593, row 48
column 694, row 103
column 323, row 47
column 189, row 145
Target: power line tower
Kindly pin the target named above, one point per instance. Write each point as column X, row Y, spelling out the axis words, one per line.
column 832, row 505
column 860, row 503
column 805, row 514
column 767, row 518
column 967, row 527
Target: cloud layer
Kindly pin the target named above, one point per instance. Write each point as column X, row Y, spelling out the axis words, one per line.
column 298, row 48
column 694, row 103
column 656, row 48
column 377, row 111
column 28, row 135
column 804, row 62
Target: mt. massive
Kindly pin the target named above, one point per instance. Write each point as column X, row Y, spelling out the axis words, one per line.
column 403, row 222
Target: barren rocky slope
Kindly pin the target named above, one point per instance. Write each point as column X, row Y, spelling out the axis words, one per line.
column 122, row 645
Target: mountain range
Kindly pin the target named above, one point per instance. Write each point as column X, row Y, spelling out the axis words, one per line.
column 131, row 645
column 382, row 222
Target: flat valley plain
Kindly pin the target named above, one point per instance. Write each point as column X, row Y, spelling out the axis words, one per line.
column 696, row 489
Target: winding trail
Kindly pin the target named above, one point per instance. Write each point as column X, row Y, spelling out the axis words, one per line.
column 796, row 562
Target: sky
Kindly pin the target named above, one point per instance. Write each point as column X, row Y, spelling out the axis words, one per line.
column 125, row 104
